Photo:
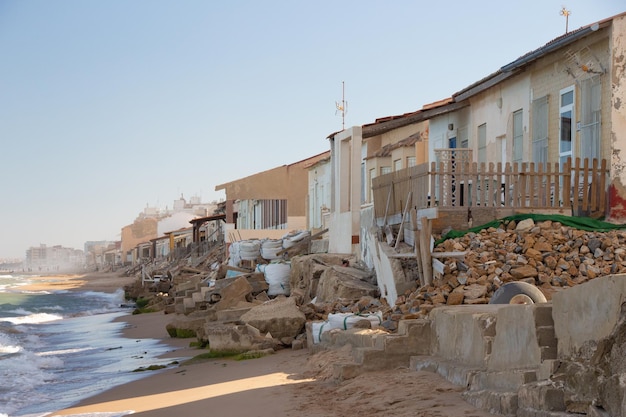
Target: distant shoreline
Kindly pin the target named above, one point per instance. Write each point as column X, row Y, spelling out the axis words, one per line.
column 107, row 282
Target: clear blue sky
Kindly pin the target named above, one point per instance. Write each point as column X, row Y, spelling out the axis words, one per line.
column 109, row 106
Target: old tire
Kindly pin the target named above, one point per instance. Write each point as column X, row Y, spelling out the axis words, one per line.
column 517, row 293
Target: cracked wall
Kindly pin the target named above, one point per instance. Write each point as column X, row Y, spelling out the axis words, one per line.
column 617, row 188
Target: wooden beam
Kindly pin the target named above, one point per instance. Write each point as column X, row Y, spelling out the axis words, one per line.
column 425, row 235
column 406, row 208
column 456, row 255
column 417, row 253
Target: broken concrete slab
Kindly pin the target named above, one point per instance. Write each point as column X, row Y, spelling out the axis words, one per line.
column 279, row 317
column 235, row 338
column 185, row 326
column 231, row 293
column 340, row 282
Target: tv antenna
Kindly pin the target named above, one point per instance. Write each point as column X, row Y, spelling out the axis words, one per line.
column 342, row 106
column 566, row 13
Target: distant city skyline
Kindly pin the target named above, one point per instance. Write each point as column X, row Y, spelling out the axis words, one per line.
column 107, row 107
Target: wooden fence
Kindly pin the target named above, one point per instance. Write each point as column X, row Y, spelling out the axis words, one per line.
column 580, row 186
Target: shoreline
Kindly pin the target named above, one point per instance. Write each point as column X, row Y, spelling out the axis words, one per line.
column 215, row 383
column 107, row 282
column 287, row 383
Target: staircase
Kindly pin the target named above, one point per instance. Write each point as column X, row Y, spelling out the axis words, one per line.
column 374, row 350
column 522, row 391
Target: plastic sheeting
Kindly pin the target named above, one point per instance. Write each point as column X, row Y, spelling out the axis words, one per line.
column 581, row 223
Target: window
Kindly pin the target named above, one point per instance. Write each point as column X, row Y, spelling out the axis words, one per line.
column 565, row 124
column 590, row 98
column 269, row 214
column 540, row 130
column 385, row 170
column 410, row 161
column 397, row 165
column 518, row 136
column 482, row 143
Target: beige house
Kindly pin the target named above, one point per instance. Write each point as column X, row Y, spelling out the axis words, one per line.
column 268, row 204
column 140, row 231
column 360, row 154
column 562, row 100
column 557, row 103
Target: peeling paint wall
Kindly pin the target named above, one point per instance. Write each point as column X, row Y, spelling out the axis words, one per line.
column 617, row 72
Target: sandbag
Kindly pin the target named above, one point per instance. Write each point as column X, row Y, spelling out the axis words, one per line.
column 343, row 321
column 277, row 277
column 249, row 250
column 291, row 239
column 235, row 258
column 346, row 321
column 270, row 249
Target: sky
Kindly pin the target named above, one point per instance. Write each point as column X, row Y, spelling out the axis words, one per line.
column 107, row 107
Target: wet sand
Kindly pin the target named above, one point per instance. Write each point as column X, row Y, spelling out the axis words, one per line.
column 287, row 383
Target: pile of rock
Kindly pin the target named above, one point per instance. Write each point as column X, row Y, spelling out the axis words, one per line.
column 547, row 254
column 238, row 310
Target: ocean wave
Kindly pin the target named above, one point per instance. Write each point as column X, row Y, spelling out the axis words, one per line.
column 9, row 349
column 64, row 351
column 8, row 345
column 26, row 371
column 28, row 291
column 32, row 318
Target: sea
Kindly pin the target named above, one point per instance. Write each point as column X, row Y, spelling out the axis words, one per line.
column 57, row 348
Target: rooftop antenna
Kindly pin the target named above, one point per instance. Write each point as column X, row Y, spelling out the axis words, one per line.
column 566, row 13
column 342, row 106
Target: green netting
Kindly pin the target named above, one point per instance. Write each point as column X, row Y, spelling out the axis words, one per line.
column 582, row 223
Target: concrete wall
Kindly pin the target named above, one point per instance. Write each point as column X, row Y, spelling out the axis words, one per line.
column 459, row 333
column 504, row 337
column 390, row 276
column 515, row 344
column 587, row 312
column 346, row 192
column 495, row 337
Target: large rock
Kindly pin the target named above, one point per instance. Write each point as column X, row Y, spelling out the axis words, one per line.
column 185, row 326
column 340, row 282
column 235, row 338
column 525, row 271
column 279, row 317
column 306, row 272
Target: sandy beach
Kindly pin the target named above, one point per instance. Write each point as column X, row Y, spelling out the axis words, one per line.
column 287, row 383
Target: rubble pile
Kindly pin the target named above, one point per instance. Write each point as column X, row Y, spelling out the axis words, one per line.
column 547, row 254
column 225, row 305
